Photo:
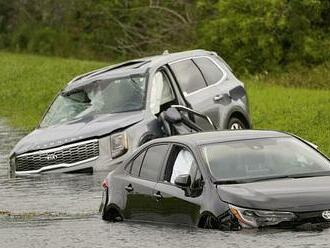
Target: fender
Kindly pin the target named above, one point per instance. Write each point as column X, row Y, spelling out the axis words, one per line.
column 239, row 110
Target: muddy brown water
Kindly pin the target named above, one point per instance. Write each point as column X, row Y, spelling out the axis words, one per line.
column 62, row 211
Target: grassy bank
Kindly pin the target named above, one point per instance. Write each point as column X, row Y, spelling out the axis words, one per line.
column 304, row 112
column 28, row 83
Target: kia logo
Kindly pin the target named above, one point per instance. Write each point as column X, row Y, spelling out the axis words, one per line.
column 51, row 157
column 326, row 215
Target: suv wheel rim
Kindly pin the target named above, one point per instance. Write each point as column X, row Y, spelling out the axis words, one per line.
column 236, row 126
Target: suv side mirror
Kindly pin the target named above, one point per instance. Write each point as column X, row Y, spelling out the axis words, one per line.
column 172, row 115
column 183, row 181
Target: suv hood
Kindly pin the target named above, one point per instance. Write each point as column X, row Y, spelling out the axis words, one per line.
column 294, row 195
column 79, row 129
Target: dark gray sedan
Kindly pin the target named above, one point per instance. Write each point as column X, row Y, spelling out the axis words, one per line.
column 101, row 117
column 226, row 179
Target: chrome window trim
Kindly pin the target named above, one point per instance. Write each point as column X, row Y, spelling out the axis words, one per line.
column 57, row 148
column 56, row 166
column 224, row 76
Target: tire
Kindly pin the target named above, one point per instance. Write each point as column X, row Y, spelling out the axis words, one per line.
column 112, row 215
column 209, row 222
column 235, row 124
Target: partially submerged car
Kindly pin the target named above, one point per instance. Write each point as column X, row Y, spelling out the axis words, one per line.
column 224, row 179
column 101, row 117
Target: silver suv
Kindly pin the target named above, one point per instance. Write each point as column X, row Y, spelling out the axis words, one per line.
column 101, row 117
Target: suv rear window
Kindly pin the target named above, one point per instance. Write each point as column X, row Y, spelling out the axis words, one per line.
column 153, row 162
column 211, row 71
column 188, row 75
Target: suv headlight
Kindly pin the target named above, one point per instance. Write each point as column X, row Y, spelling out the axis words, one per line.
column 118, row 144
column 12, row 166
column 12, row 161
column 258, row 218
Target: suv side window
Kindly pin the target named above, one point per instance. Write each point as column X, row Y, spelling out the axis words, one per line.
column 136, row 164
column 153, row 162
column 210, row 70
column 161, row 92
column 188, row 75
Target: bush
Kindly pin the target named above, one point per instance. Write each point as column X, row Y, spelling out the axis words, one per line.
column 265, row 35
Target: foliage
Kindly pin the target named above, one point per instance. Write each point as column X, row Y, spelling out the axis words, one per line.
column 252, row 35
column 29, row 83
column 265, row 35
column 97, row 29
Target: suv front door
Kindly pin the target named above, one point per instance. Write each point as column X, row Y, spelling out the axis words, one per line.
column 199, row 80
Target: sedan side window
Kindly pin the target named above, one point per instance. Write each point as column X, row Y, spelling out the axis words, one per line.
column 181, row 161
column 182, row 165
column 209, row 69
column 136, row 165
column 153, row 162
column 188, row 76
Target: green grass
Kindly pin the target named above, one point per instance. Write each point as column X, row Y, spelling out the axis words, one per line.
column 298, row 76
column 305, row 112
column 28, row 83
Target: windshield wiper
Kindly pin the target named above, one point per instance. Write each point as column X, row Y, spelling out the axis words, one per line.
column 293, row 176
column 311, row 174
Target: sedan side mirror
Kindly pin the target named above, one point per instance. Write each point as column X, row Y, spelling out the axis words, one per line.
column 183, row 181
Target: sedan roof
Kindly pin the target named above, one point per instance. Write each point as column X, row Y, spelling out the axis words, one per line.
column 222, row 136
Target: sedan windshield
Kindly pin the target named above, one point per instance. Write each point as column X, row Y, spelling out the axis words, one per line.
column 99, row 97
column 258, row 159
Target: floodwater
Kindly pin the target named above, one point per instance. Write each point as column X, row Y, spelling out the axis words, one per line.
column 62, row 211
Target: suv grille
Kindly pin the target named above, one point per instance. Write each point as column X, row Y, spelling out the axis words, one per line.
column 68, row 154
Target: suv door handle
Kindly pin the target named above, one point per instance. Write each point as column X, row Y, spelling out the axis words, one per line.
column 129, row 188
column 158, row 196
column 218, row 98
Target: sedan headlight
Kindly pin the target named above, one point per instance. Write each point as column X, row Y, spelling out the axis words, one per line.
column 118, row 144
column 257, row 218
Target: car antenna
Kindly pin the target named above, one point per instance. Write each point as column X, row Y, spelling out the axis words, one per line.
column 165, row 52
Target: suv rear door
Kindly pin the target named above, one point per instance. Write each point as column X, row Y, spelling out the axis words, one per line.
column 199, row 79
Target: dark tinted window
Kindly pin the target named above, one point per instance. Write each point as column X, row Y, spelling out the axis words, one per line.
column 136, row 165
column 188, row 75
column 128, row 167
column 153, row 161
column 211, row 71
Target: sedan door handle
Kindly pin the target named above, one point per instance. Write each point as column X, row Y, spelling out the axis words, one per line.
column 129, row 188
column 158, row 196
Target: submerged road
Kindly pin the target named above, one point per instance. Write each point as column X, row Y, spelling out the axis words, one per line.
column 62, row 211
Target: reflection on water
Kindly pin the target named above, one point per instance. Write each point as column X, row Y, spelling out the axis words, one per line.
column 61, row 211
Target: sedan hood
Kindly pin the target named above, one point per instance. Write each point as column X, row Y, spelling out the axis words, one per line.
column 79, row 129
column 294, row 195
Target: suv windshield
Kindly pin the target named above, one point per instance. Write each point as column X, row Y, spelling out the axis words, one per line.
column 257, row 159
column 99, row 97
